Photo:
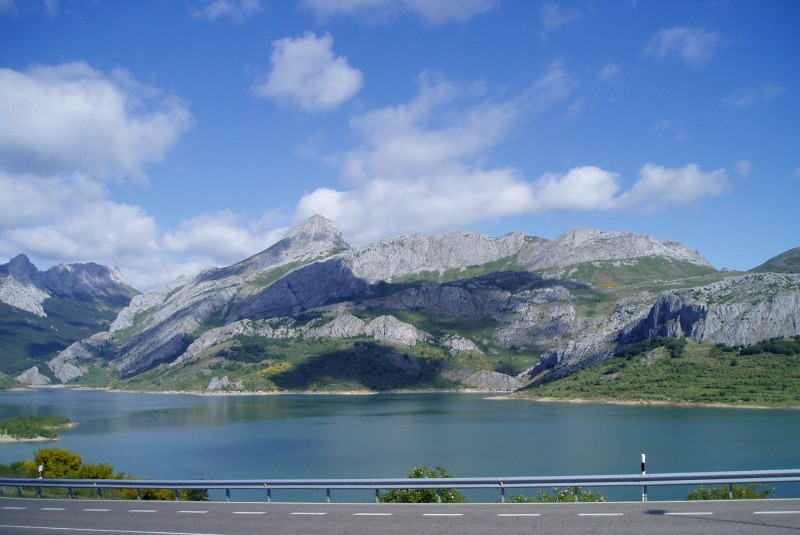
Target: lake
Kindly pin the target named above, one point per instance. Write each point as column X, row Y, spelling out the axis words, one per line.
column 162, row 436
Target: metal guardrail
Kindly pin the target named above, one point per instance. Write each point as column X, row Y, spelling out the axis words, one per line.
column 501, row 483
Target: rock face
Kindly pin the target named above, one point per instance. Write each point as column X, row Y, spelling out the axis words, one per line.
column 32, row 377
column 24, row 287
column 313, row 284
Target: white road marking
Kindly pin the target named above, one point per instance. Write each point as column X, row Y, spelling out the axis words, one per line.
column 689, row 513
column 249, row 512
column 143, row 511
column 193, row 512
column 103, row 530
column 15, row 508
column 372, row 514
column 97, row 510
column 519, row 514
column 309, row 514
column 601, row 514
column 52, row 508
column 443, row 514
column 776, row 512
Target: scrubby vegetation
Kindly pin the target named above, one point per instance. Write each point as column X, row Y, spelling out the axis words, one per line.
column 32, row 427
column 60, row 463
column 424, row 495
column 735, row 492
column 561, row 495
column 767, row 374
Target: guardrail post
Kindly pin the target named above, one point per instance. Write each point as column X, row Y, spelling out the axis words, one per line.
column 377, row 495
column 502, row 493
column 177, row 495
column 69, row 492
column 730, row 491
column 99, row 493
column 269, row 495
column 139, row 493
column 438, row 495
column 644, row 472
column 39, row 492
column 327, row 495
column 575, row 491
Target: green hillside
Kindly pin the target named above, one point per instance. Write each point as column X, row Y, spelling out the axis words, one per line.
column 767, row 374
column 788, row 262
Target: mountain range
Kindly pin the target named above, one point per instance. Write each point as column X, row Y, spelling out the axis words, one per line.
column 453, row 311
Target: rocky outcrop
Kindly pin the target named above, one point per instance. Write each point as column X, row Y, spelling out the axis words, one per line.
column 590, row 245
column 218, row 384
column 410, row 254
column 32, row 377
column 483, row 380
column 66, row 365
column 740, row 310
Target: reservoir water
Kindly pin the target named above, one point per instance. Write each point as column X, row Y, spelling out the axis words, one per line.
column 159, row 436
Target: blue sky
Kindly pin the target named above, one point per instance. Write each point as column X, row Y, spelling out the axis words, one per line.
column 162, row 137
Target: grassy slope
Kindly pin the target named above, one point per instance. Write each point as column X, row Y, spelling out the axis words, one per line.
column 704, row 374
column 788, row 262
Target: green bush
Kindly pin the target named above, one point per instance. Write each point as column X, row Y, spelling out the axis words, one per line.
column 738, row 492
column 423, row 495
column 560, row 495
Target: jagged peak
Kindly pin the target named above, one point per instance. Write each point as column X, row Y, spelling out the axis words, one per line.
column 317, row 228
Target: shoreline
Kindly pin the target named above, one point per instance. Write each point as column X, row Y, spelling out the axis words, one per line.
column 492, row 395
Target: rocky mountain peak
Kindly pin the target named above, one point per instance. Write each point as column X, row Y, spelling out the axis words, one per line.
column 20, row 268
column 317, row 228
column 592, row 245
column 316, row 237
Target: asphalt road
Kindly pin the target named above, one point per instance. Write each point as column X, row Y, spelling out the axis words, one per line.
column 42, row 516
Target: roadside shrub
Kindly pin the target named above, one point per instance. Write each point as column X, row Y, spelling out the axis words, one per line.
column 739, row 492
column 560, row 495
column 423, row 495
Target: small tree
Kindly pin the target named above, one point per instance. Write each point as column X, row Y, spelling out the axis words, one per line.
column 59, row 463
column 423, row 495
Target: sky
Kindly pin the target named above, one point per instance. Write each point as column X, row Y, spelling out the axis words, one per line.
column 164, row 137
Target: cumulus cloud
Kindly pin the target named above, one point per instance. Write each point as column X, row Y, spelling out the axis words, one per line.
column 421, row 167
column 306, row 73
column 71, row 117
column 692, row 45
column 436, row 11
column 64, row 131
column 659, row 187
column 220, row 236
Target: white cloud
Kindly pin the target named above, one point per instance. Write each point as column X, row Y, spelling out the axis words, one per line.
column 748, row 97
column 73, row 118
column 421, row 167
column 306, row 73
column 233, row 9
column 692, row 45
column 659, row 187
column 221, row 237
column 582, row 188
column 436, row 11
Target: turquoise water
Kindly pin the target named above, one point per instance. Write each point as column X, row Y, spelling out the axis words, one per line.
column 380, row 436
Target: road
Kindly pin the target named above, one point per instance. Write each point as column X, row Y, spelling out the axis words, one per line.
column 43, row 516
